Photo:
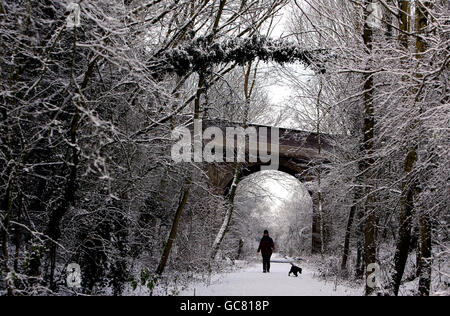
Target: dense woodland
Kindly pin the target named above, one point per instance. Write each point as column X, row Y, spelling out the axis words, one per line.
column 87, row 111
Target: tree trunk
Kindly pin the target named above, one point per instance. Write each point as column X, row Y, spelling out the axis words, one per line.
column 241, row 245
column 359, row 265
column 226, row 222
column 424, row 269
column 348, row 231
column 319, row 174
column 368, row 129
column 408, row 184
column 404, row 233
column 6, row 202
column 174, row 229
column 354, row 211
column 5, row 230
column 425, row 259
column 18, row 235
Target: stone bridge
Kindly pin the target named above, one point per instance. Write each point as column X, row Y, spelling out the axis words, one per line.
column 298, row 156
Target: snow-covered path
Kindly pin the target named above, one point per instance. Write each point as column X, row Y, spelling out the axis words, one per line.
column 250, row 281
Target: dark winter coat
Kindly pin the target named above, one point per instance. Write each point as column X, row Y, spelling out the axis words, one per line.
column 266, row 246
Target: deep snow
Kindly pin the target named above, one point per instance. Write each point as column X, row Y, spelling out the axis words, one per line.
column 250, row 281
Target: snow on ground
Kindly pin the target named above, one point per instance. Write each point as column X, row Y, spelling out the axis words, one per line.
column 250, row 281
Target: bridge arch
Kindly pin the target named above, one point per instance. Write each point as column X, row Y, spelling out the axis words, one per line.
column 285, row 166
column 279, row 202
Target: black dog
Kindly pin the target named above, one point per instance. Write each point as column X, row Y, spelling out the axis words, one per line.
column 295, row 270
